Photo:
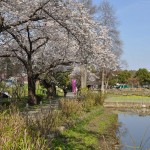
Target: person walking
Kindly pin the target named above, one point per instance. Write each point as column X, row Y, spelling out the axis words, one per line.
column 65, row 91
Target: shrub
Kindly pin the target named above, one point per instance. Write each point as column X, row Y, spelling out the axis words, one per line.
column 47, row 123
column 70, row 108
column 25, row 132
column 91, row 98
column 99, row 98
column 16, row 134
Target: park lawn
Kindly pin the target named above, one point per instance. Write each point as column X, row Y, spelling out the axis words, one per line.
column 22, row 91
column 20, row 95
column 131, row 98
column 94, row 131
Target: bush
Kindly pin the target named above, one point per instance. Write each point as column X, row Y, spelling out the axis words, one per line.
column 99, row 98
column 91, row 98
column 27, row 132
column 47, row 123
column 70, row 108
column 16, row 134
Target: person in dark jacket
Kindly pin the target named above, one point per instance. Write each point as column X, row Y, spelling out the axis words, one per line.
column 65, row 91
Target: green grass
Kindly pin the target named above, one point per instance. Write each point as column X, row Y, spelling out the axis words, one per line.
column 133, row 98
column 129, row 92
column 85, row 135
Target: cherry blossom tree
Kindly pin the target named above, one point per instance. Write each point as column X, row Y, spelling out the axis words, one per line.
column 77, row 73
column 104, row 14
column 45, row 34
column 106, row 17
column 104, row 59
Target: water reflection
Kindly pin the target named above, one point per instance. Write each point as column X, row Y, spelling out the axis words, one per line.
column 134, row 132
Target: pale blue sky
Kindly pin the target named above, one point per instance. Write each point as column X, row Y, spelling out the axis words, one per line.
column 134, row 18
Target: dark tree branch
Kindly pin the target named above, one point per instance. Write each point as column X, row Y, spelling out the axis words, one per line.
column 59, row 62
column 19, row 58
column 32, row 17
column 6, row 55
column 6, row 27
column 18, row 41
column 42, row 44
column 39, row 38
column 39, row 8
column 29, row 39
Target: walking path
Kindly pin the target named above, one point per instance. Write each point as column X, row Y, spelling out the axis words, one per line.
column 46, row 108
column 70, row 95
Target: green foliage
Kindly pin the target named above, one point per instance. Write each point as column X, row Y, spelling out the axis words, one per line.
column 50, row 80
column 62, row 78
column 84, row 91
column 123, row 76
column 143, row 75
column 91, row 98
column 2, row 86
column 112, row 80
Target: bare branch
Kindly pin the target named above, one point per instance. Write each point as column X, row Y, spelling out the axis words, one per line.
column 42, row 44
column 36, row 40
column 29, row 39
column 32, row 17
column 18, row 41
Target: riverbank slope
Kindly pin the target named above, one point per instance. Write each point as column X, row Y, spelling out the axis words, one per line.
column 94, row 131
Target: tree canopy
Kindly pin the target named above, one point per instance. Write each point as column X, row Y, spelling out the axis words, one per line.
column 47, row 35
column 143, row 76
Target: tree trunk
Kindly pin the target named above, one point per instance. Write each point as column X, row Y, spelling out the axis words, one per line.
column 83, row 76
column 51, row 88
column 51, row 91
column 32, row 99
column 106, row 83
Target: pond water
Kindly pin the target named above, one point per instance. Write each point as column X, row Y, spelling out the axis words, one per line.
column 134, row 131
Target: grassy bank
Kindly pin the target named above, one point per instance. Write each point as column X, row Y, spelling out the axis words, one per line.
column 93, row 131
column 18, row 133
column 86, row 126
